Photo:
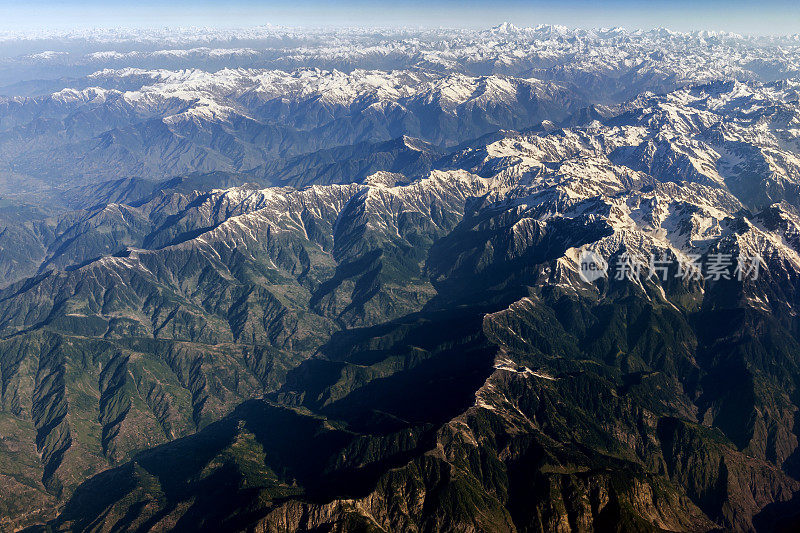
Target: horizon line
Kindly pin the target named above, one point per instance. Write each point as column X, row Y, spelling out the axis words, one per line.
column 56, row 32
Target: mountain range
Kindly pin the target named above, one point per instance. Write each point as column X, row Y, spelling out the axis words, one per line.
column 271, row 298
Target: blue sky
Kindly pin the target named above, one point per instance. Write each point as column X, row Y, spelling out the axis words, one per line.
column 745, row 16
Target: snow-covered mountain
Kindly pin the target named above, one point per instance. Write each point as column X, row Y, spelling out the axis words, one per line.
column 168, row 122
column 617, row 62
column 340, row 286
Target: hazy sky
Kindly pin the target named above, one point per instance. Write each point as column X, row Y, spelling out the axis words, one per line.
column 744, row 16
